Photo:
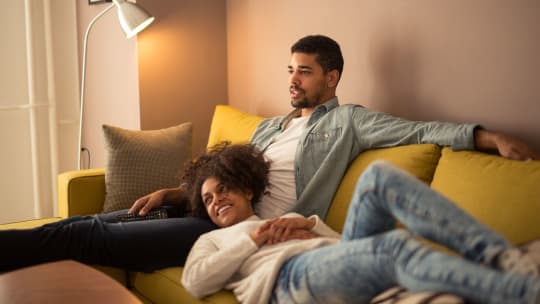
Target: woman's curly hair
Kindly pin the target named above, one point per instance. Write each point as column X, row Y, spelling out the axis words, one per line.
column 240, row 167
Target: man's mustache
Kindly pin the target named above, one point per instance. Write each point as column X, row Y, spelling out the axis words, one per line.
column 296, row 88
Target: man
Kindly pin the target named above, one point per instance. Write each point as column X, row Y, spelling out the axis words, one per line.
column 312, row 146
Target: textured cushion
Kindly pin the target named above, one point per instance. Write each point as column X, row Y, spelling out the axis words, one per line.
column 398, row 295
column 420, row 160
column 230, row 124
column 503, row 194
column 139, row 162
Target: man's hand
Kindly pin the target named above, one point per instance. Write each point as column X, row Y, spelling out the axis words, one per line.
column 283, row 229
column 155, row 199
column 508, row 146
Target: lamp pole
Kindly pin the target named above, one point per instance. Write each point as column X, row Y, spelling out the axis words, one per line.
column 133, row 19
column 83, row 78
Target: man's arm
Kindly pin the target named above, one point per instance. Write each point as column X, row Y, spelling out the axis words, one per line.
column 508, row 146
column 380, row 130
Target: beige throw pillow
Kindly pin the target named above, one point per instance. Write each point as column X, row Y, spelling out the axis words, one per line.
column 140, row 162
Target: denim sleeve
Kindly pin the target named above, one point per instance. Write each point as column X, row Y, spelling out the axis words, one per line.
column 379, row 130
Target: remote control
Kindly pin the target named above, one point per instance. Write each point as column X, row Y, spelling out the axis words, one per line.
column 154, row 214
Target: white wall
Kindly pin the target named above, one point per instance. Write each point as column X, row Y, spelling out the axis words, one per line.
column 38, row 107
column 183, row 65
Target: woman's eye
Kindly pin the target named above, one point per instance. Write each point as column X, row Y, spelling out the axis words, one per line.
column 207, row 201
column 222, row 188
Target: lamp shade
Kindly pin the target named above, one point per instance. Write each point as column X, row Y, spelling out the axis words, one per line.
column 133, row 18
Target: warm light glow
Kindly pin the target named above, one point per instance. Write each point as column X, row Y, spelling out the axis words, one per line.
column 140, row 27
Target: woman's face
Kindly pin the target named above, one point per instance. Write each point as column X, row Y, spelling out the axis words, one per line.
column 225, row 206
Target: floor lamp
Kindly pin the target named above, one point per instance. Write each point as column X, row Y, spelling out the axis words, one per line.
column 133, row 19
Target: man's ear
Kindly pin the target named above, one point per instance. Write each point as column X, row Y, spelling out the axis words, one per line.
column 332, row 78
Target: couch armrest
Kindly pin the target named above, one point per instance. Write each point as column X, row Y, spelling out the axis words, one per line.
column 81, row 192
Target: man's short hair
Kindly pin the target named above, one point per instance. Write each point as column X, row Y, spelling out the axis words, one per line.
column 327, row 50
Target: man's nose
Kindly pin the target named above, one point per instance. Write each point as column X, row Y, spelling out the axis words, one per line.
column 293, row 78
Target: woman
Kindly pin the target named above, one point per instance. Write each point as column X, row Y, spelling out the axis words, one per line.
column 294, row 259
column 104, row 240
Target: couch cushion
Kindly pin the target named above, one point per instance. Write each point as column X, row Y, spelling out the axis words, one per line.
column 29, row 224
column 230, row 124
column 81, row 192
column 501, row 193
column 419, row 160
column 118, row 274
column 164, row 286
column 140, row 162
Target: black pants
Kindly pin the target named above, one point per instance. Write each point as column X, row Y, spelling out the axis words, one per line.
column 138, row 246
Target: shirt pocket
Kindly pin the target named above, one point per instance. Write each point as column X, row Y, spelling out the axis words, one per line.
column 320, row 143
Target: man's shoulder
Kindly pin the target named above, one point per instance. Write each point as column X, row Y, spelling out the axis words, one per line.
column 346, row 109
column 348, row 106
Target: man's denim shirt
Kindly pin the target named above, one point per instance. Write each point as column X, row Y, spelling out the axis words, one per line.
column 334, row 137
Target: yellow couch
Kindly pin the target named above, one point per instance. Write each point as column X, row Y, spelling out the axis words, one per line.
column 502, row 194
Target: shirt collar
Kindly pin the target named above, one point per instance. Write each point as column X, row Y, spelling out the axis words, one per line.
column 319, row 111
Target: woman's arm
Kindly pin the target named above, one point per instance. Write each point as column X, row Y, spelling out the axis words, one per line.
column 295, row 226
column 208, row 268
column 322, row 229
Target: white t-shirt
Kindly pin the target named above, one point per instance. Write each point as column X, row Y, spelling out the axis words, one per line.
column 282, row 188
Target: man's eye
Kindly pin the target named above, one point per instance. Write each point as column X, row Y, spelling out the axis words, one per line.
column 290, row 71
column 305, row 72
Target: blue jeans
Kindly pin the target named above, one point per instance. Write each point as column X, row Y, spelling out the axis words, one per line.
column 138, row 246
column 373, row 255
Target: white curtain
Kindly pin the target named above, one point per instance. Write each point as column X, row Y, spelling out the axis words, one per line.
column 38, row 104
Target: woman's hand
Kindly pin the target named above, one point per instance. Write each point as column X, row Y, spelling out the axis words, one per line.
column 155, row 199
column 283, row 229
column 260, row 235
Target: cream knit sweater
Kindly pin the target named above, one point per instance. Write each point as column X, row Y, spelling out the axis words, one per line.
column 228, row 258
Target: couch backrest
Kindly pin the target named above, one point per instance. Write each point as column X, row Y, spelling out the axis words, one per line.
column 503, row 194
column 419, row 160
column 230, row 124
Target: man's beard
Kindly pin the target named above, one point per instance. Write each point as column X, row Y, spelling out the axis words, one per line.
column 306, row 102
column 300, row 104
